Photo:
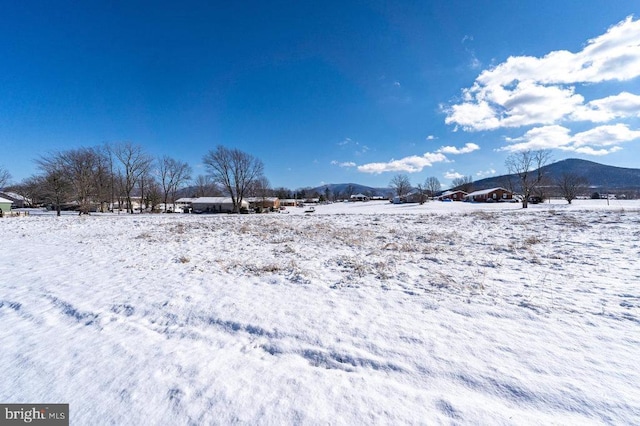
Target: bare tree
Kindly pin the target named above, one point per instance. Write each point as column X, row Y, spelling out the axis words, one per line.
column 261, row 188
column 527, row 168
column 153, row 194
column 234, row 170
column 571, row 185
column 422, row 193
column 81, row 167
column 5, row 177
column 173, row 174
column 31, row 189
column 133, row 162
column 282, row 192
column 205, row 187
column 401, row 185
column 54, row 183
column 464, row 183
column 119, row 191
column 145, row 180
column 103, row 179
column 432, row 185
column 114, row 176
column 327, row 193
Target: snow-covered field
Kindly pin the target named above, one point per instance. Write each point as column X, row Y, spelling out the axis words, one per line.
column 360, row 313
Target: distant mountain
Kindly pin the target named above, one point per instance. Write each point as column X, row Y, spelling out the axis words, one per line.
column 344, row 189
column 599, row 176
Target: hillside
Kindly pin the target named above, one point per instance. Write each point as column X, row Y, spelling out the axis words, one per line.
column 600, row 176
column 352, row 188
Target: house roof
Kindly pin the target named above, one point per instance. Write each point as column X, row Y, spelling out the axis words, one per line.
column 186, row 200
column 13, row 196
column 446, row 193
column 212, row 200
column 257, row 199
column 486, row 191
column 4, row 200
column 215, row 200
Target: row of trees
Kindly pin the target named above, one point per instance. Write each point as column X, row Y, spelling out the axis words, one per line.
column 105, row 175
column 401, row 186
column 112, row 173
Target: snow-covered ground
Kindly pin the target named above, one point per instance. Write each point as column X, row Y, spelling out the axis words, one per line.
column 360, row 313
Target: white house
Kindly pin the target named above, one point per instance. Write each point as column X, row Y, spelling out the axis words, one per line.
column 215, row 205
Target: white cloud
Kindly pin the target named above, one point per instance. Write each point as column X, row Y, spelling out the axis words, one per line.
column 600, row 140
column 363, row 150
column 452, row 174
column 468, row 147
column 623, row 105
column 411, row 164
column 431, row 137
column 526, row 90
column 615, row 55
column 483, row 173
column 355, row 145
column 478, row 115
column 547, row 137
column 343, row 164
column 606, row 136
column 597, row 152
column 474, row 62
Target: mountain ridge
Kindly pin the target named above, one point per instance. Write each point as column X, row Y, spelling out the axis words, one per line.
column 601, row 177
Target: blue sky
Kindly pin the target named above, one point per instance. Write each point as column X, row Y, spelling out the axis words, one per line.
column 324, row 92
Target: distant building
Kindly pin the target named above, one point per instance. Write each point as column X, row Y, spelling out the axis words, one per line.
column 215, row 205
column 185, row 204
column 453, row 195
column 263, row 203
column 18, row 200
column 412, row 197
column 490, row 195
column 290, row 202
column 359, row 197
column 5, row 205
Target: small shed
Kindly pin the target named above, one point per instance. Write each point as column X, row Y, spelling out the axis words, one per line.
column 5, row 205
column 490, row 195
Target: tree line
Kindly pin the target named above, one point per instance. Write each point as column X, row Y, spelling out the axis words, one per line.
column 108, row 175
column 113, row 174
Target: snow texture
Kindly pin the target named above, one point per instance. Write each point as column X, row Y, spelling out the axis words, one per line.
column 360, row 313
